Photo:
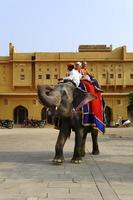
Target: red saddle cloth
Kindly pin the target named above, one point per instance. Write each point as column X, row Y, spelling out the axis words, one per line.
column 94, row 113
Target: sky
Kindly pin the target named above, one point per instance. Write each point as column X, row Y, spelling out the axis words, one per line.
column 63, row 25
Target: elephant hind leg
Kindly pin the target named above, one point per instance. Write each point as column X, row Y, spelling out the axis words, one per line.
column 94, row 135
column 77, row 158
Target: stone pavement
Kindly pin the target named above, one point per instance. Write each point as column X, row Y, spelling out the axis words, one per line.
column 27, row 173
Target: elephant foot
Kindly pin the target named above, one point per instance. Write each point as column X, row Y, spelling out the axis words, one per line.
column 97, row 152
column 57, row 161
column 76, row 160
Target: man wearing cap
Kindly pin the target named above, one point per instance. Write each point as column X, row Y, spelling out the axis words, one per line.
column 73, row 75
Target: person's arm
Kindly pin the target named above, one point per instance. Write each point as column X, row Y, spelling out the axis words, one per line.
column 70, row 77
column 86, row 77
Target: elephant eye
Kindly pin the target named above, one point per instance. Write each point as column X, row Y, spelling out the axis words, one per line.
column 64, row 103
column 64, row 93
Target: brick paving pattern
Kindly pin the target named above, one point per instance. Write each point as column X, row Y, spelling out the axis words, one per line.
column 27, row 173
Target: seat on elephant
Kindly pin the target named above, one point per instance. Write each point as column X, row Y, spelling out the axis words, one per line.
column 93, row 112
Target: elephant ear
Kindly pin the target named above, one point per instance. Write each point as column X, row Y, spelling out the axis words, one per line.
column 81, row 97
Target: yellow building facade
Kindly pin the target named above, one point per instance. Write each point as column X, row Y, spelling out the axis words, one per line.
column 20, row 73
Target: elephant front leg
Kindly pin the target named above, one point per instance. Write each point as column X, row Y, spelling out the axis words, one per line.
column 77, row 158
column 95, row 148
column 59, row 157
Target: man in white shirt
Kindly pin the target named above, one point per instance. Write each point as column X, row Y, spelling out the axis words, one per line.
column 73, row 74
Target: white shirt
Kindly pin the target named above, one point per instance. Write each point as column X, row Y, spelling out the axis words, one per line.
column 75, row 76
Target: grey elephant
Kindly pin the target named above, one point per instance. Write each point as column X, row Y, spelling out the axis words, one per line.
column 68, row 101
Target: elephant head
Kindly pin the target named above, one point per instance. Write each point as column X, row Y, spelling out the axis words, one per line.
column 63, row 96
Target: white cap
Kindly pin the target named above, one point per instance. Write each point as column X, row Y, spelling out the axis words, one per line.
column 79, row 63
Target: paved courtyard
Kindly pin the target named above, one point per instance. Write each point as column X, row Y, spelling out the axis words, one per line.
column 27, row 173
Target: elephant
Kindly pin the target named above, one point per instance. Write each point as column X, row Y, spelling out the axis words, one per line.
column 68, row 101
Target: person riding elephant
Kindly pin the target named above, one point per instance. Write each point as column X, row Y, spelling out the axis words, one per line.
column 72, row 75
column 89, row 77
column 68, row 101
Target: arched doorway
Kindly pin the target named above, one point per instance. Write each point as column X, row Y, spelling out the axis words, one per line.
column 44, row 114
column 108, row 116
column 20, row 114
column 48, row 115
